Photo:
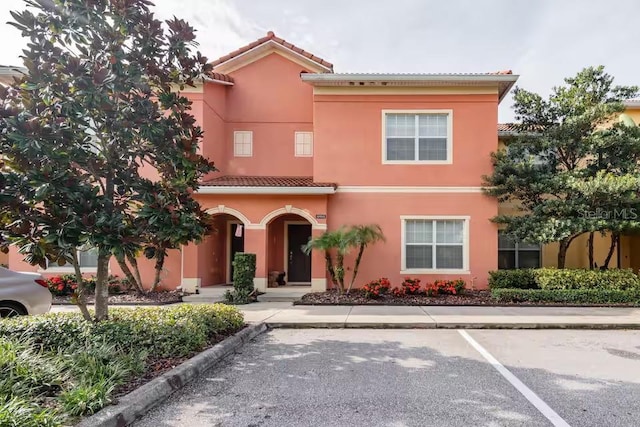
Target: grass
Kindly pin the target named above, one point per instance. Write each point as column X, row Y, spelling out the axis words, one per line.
column 57, row 367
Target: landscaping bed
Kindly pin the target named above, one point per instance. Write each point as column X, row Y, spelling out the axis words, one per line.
column 150, row 298
column 57, row 367
column 467, row 298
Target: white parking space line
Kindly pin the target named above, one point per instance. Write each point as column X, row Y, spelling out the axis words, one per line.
column 535, row 400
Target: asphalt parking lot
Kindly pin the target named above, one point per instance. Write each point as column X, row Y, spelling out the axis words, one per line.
column 369, row 377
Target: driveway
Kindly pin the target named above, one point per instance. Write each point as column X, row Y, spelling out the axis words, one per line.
column 366, row 377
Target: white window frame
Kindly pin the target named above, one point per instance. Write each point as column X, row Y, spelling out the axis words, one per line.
column 449, row 159
column 465, row 245
column 295, row 144
column 236, row 134
column 55, row 268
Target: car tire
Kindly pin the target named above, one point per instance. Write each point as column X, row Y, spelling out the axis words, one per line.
column 11, row 309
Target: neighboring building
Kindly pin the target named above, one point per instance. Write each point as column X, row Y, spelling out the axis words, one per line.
column 302, row 150
column 521, row 255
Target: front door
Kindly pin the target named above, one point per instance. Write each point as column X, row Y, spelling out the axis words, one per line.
column 299, row 263
column 236, row 245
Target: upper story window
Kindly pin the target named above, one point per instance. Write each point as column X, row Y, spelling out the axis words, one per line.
column 513, row 254
column 304, row 144
column 434, row 244
column 243, row 143
column 422, row 136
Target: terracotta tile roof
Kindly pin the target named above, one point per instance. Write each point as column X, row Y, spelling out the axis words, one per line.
column 272, row 37
column 221, row 77
column 265, row 181
column 507, row 127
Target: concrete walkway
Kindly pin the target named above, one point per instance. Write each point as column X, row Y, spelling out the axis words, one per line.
column 287, row 315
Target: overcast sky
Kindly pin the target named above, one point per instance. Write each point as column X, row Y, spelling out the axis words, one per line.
column 542, row 41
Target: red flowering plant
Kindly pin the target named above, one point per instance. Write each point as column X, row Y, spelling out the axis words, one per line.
column 412, row 286
column 446, row 287
column 62, row 285
column 376, row 288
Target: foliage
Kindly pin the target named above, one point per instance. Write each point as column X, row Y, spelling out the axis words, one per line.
column 98, row 101
column 73, row 367
column 519, row 279
column 567, row 296
column 376, row 288
column 551, row 278
column 563, row 166
column 338, row 243
column 445, row 287
column 412, row 286
column 66, row 285
column 244, row 271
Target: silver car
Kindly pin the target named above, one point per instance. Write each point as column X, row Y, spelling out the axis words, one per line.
column 23, row 293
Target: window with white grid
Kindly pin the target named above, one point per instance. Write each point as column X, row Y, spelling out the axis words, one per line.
column 417, row 137
column 243, row 143
column 434, row 244
column 304, row 144
column 517, row 254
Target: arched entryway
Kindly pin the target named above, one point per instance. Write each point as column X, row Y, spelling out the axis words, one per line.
column 287, row 233
column 219, row 247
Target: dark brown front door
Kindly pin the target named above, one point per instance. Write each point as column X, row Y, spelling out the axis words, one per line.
column 299, row 263
column 237, row 245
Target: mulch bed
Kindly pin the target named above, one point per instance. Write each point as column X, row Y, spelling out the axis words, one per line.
column 468, row 298
column 157, row 367
column 151, row 298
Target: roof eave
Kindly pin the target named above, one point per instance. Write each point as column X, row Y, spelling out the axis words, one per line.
column 264, row 190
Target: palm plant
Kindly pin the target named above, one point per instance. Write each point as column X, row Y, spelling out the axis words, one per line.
column 362, row 236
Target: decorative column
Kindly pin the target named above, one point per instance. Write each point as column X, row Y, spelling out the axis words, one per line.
column 255, row 242
column 191, row 280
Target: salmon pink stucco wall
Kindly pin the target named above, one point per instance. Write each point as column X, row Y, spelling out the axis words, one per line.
column 348, row 139
column 270, row 99
column 384, row 259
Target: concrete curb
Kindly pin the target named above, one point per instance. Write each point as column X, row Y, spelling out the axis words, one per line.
column 450, row 325
column 142, row 399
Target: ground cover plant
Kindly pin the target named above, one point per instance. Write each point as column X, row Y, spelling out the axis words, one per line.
column 58, row 367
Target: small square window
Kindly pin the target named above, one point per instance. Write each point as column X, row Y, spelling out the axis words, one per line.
column 304, row 144
column 243, row 143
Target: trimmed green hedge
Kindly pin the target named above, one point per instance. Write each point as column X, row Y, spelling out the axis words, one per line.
column 520, row 279
column 567, row 296
column 552, row 278
column 57, row 367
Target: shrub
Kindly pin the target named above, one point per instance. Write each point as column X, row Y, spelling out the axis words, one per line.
column 551, row 278
column 244, row 271
column 514, row 279
column 23, row 413
column 445, row 287
column 376, row 288
column 412, row 286
column 66, row 284
column 568, row 296
column 62, row 285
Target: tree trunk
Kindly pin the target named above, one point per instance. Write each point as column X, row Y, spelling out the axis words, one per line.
column 356, row 266
column 136, row 272
column 81, row 298
column 614, row 241
column 127, row 272
column 590, row 245
column 562, row 250
column 158, row 269
column 330, row 268
column 102, row 288
column 340, row 272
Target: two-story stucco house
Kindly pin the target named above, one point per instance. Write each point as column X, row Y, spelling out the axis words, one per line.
column 301, row 149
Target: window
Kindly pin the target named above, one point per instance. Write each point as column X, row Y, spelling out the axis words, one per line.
column 434, row 244
column 513, row 254
column 304, row 144
column 88, row 259
column 417, row 137
column 243, row 143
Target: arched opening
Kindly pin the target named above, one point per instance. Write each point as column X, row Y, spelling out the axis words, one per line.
column 287, row 233
column 219, row 248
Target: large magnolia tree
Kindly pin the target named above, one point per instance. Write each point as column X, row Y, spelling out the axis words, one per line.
column 98, row 102
column 571, row 169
